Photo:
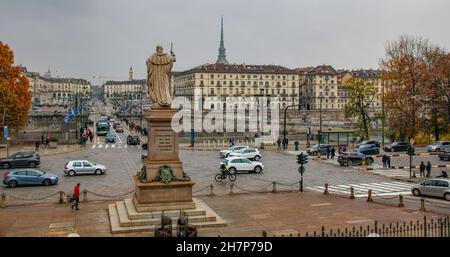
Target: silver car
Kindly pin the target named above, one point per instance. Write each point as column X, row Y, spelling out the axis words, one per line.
column 438, row 146
column 437, row 187
column 226, row 152
column 75, row 167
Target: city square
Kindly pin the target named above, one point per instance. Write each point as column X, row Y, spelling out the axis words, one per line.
column 169, row 139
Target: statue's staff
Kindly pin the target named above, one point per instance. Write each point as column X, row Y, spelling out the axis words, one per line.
column 171, row 52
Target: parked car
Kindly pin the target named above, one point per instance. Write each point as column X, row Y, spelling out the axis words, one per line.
column 444, row 154
column 75, row 167
column 133, row 140
column 354, row 159
column 315, row 149
column 368, row 149
column 238, row 164
column 437, row 187
column 21, row 159
column 119, row 129
column 438, row 146
column 249, row 153
column 368, row 142
column 397, row 147
column 226, row 152
column 19, row 177
column 110, row 138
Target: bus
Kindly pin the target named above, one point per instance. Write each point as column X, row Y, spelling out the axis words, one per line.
column 102, row 128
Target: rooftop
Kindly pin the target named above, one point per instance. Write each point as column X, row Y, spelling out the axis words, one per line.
column 239, row 68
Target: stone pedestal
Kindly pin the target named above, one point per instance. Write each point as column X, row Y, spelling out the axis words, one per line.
column 162, row 150
column 162, row 144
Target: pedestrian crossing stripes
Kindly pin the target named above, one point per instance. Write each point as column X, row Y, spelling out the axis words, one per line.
column 113, row 146
column 361, row 190
column 391, row 173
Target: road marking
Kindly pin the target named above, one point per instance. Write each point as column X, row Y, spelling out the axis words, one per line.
column 106, row 146
column 100, row 146
column 113, row 146
column 93, row 146
column 361, row 190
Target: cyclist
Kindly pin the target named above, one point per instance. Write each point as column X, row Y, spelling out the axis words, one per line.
column 223, row 169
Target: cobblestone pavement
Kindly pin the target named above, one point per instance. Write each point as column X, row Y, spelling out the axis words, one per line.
column 246, row 215
column 124, row 162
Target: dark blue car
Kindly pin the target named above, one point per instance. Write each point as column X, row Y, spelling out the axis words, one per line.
column 21, row 177
column 110, row 138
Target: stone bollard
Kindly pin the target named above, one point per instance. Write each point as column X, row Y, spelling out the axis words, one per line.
column 61, row 199
column 326, row 189
column 352, row 193
column 2, row 201
column 274, row 187
column 84, row 195
column 400, row 201
column 369, row 196
column 422, row 205
column 211, row 190
column 231, row 188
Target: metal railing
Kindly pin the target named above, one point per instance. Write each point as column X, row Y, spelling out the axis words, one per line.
column 439, row 227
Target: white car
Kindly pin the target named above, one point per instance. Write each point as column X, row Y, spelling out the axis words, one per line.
column 237, row 164
column 249, row 153
column 226, row 152
column 438, row 146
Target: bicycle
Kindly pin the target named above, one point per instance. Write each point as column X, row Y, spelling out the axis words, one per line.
column 222, row 176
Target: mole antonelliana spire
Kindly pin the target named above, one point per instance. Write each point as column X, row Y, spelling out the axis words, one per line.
column 222, row 57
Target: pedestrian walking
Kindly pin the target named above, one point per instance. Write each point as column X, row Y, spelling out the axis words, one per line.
column 279, row 143
column 428, row 168
column 384, row 160
column 76, row 197
column 340, row 150
column 328, row 152
column 388, row 161
column 42, row 139
column 47, row 140
column 422, row 169
column 36, row 146
column 333, row 152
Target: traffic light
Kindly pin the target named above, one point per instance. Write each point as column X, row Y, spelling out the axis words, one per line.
column 411, row 151
column 302, row 159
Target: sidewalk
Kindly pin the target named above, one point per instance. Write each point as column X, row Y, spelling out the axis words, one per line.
column 43, row 151
column 246, row 215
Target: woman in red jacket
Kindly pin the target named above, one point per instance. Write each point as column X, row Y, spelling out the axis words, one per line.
column 76, row 196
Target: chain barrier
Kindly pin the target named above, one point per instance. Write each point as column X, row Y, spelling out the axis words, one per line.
column 31, row 199
column 201, row 189
column 384, row 197
column 437, row 205
column 111, row 196
column 254, row 190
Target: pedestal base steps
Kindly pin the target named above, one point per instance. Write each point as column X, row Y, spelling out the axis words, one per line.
column 128, row 216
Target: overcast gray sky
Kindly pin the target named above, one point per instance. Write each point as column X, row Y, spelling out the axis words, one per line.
column 86, row 38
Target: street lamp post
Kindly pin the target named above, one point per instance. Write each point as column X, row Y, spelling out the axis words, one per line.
column 382, row 114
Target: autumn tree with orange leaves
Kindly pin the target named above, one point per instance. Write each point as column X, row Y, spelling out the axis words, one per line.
column 15, row 96
column 417, row 75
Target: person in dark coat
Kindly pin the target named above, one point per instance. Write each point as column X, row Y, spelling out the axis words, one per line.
column 333, row 152
column 76, row 196
column 279, row 143
column 42, row 139
column 428, row 168
column 383, row 160
column 422, row 169
column 388, row 161
column 328, row 152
